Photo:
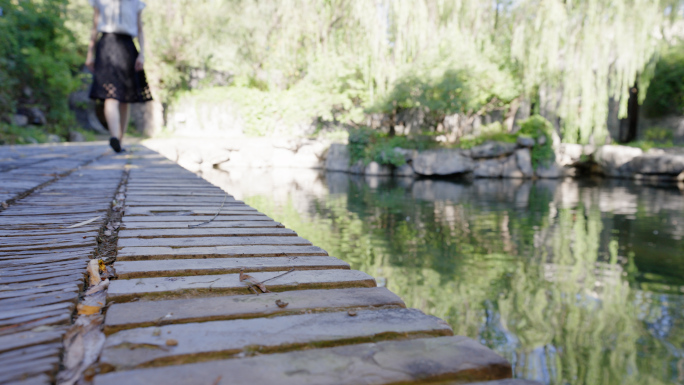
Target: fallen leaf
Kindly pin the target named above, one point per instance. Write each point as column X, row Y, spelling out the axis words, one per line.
column 352, row 313
column 251, row 281
column 171, row 342
column 99, row 287
column 88, row 310
column 94, row 272
column 82, row 346
column 101, row 265
column 281, row 303
column 83, row 223
column 217, row 381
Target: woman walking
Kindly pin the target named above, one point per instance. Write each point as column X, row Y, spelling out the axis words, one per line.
column 117, row 67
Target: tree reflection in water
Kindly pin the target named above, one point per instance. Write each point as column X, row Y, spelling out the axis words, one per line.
column 575, row 282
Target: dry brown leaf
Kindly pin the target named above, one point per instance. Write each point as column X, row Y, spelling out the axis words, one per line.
column 94, row 272
column 88, row 310
column 352, row 313
column 252, row 281
column 171, row 342
column 82, row 346
column 281, row 303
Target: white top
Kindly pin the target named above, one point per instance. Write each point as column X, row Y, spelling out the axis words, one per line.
column 118, row 16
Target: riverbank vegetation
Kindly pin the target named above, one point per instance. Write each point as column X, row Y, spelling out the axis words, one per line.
column 425, row 67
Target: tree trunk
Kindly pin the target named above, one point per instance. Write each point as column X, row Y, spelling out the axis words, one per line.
column 628, row 127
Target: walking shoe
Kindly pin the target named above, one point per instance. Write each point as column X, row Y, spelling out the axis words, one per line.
column 116, row 145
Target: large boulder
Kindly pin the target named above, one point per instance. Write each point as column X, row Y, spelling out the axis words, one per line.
column 492, row 150
column 337, row 158
column 510, row 169
column 19, row 120
column 75, row 136
column 35, row 115
column 441, row 162
column 374, row 168
column 658, row 163
column 489, row 168
column 549, row 171
column 615, row 160
column 405, row 170
column 569, row 154
column 525, row 141
column 523, row 159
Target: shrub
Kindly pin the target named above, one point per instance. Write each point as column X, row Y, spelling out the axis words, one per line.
column 665, row 94
column 537, row 127
column 368, row 145
column 36, row 50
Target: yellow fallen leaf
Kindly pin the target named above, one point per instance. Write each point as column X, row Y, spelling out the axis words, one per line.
column 101, row 265
column 88, row 310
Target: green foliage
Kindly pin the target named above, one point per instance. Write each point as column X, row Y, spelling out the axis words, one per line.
column 493, row 132
column 367, row 145
column 36, row 50
column 658, row 134
column 538, row 127
column 10, row 134
column 665, row 93
column 654, row 137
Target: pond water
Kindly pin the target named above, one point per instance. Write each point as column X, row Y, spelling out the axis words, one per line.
column 573, row 281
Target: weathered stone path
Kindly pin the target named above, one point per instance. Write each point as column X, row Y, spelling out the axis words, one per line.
column 42, row 262
column 178, row 312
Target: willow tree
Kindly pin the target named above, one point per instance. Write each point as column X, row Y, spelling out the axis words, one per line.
column 580, row 53
column 571, row 56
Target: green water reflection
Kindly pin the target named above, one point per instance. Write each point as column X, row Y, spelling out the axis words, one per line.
column 573, row 282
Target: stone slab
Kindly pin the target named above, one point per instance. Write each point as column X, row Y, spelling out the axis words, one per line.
column 213, row 241
column 205, row 232
column 136, row 347
column 388, row 362
column 47, row 232
column 156, row 313
column 214, row 224
column 30, row 338
column 508, row 381
column 181, row 267
column 191, row 210
column 143, row 253
column 173, row 287
column 198, row 218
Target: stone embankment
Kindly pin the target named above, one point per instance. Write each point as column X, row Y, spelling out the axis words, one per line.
column 490, row 160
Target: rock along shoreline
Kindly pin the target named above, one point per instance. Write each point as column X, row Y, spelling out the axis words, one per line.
column 489, row 160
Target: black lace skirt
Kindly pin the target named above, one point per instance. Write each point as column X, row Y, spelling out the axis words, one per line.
column 115, row 75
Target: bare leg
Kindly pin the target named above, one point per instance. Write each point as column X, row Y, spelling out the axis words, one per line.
column 113, row 117
column 124, row 113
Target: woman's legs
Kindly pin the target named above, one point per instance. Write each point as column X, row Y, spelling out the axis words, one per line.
column 116, row 114
column 124, row 113
column 112, row 112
